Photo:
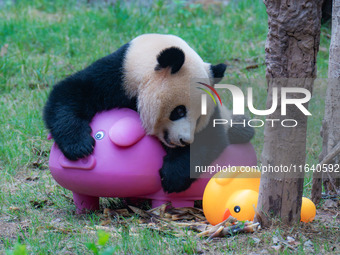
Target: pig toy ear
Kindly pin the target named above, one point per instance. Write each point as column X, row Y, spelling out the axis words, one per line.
column 126, row 132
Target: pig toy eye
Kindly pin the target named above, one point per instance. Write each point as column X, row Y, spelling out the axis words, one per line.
column 99, row 135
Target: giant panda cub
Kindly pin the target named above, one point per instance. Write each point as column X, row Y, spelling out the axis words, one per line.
column 152, row 75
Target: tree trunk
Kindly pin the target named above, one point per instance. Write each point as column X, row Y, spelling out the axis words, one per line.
column 291, row 50
column 331, row 122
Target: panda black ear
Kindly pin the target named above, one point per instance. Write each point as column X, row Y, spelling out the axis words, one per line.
column 170, row 57
column 218, row 71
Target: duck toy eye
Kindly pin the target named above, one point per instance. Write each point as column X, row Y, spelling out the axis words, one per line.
column 237, row 209
column 99, row 135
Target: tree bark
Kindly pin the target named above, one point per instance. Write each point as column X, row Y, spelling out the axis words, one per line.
column 331, row 122
column 291, row 50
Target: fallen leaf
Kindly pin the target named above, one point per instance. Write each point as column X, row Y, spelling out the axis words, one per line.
column 256, row 240
column 290, row 240
column 186, row 209
column 32, row 178
column 183, row 216
column 160, row 210
column 108, row 213
column 123, row 212
column 199, row 228
column 329, row 204
column 60, row 229
column 216, row 233
column 211, row 230
column 276, row 247
column 275, row 240
column 252, row 66
column 70, row 199
column 140, row 212
column 14, row 208
column 105, row 228
column 308, row 247
column 185, row 213
column 38, row 204
column 57, row 220
column 167, row 216
column 105, row 222
column 240, row 227
column 37, row 85
column 195, row 226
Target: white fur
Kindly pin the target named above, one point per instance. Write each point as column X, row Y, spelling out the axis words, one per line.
column 159, row 92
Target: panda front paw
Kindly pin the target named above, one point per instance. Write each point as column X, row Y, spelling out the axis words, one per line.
column 78, row 144
column 79, row 149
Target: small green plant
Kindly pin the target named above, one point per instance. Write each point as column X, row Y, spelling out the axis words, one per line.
column 99, row 248
column 19, row 249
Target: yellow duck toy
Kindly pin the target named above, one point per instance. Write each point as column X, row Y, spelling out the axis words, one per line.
column 235, row 193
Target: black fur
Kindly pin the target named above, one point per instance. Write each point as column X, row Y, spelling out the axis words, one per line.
column 75, row 100
column 173, row 57
column 218, row 71
column 239, row 133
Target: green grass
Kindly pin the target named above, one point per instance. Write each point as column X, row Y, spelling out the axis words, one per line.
column 48, row 40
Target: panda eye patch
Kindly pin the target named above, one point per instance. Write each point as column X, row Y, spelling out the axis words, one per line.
column 178, row 113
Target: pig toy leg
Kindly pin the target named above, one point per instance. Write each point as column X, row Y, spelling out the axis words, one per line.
column 85, row 203
column 155, row 203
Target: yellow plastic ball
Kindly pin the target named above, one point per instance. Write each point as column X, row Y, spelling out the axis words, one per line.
column 308, row 210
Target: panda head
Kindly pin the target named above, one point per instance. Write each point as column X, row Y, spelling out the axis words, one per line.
column 159, row 72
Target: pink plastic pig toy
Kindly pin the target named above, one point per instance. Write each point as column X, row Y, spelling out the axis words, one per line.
column 126, row 162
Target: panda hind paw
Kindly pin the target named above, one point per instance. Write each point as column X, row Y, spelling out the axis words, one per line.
column 172, row 183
